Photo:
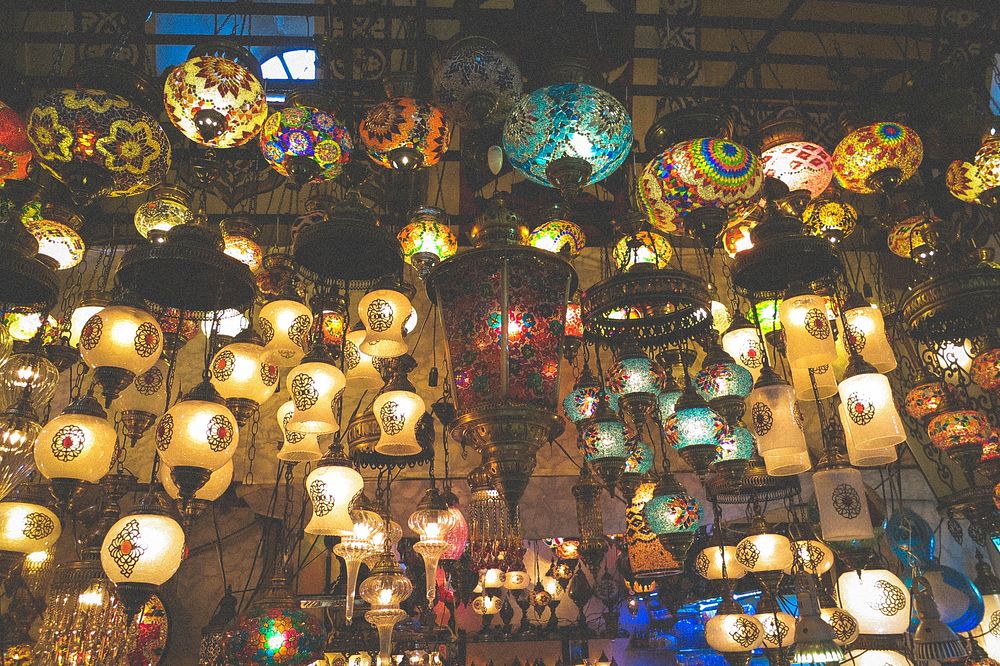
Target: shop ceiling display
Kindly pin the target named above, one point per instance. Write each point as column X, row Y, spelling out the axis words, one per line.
column 796, row 358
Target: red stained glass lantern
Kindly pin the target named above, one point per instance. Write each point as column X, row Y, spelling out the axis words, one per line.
column 503, row 305
column 15, row 151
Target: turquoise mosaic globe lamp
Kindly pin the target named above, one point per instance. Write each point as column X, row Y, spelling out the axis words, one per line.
column 637, row 380
column 603, row 444
column 695, row 430
column 673, row 515
column 567, row 136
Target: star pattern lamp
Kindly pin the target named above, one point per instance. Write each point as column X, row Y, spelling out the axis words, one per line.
column 427, row 240
column 216, row 97
column 877, row 157
column 405, row 133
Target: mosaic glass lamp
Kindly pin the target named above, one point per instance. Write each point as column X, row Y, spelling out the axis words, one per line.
column 673, row 515
column 55, row 228
column 830, row 218
column 558, row 234
column 695, row 430
column 405, row 133
column 636, row 379
column 15, row 149
column 603, row 444
column 427, row 240
column 168, row 206
column 476, row 83
column 643, row 250
column 877, row 157
column 704, row 175
column 305, row 141
column 567, row 135
column 216, row 97
column 98, row 143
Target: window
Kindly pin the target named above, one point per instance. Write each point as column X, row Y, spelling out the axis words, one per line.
column 298, row 65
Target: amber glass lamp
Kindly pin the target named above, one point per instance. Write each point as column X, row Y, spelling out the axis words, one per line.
column 167, row 207
column 331, row 487
column 384, row 590
column 427, row 240
column 196, row 436
column 118, row 343
column 284, row 327
column 642, row 250
column 55, row 229
column 143, row 400
column 239, row 241
column 398, row 410
column 733, row 632
column 142, row 551
column 76, row 446
column 19, row 429
column 27, row 373
column 26, row 524
column 809, row 339
column 362, row 370
column 558, row 234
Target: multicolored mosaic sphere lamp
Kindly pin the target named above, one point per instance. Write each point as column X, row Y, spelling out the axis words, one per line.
column 695, row 430
column 636, row 380
column 216, row 97
column 15, row 149
column 558, row 234
column 603, row 444
column 476, row 83
column 276, row 631
column 673, row 515
column 787, row 156
column 427, row 240
column 567, row 136
column 305, row 140
column 877, row 157
column 403, row 132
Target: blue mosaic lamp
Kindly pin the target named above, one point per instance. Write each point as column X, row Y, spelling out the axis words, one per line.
column 735, row 450
column 637, row 380
column 567, row 136
column 695, row 430
column 673, row 515
column 724, row 383
column 669, row 395
column 638, row 464
column 603, row 444
column 580, row 404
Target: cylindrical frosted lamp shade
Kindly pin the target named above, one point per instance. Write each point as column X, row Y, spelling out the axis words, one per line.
column 143, row 548
column 866, row 334
column 217, row 484
column 331, row 489
column 872, row 417
column 119, row 336
column 865, row 457
column 284, row 327
column 809, row 339
column 197, row 433
column 313, row 387
column 787, row 464
column 75, row 446
column 26, row 527
column 877, row 599
column 843, row 505
column 361, row 368
column 736, row 632
column 244, row 370
column 397, row 414
column 384, row 313
column 296, row 446
column 743, row 344
column 708, row 563
column 776, row 421
column 826, row 383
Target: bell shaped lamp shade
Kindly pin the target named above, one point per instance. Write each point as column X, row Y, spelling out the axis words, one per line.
column 877, row 157
column 383, row 313
column 78, row 444
column 877, row 599
column 218, row 483
column 825, row 378
column 775, row 420
column 709, row 563
column 27, row 527
column 362, row 369
column 216, row 97
column 244, row 371
column 314, row 386
column 743, row 344
column 843, row 504
column 731, row 630
column 866, row 334
column 296, row 446
column 197, row 431
column 331, row 487
column 398, row 412
column 872, row 418
column 809, row 339
column 284, row 327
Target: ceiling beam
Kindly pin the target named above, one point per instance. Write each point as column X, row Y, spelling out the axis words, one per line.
column 753, row 57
